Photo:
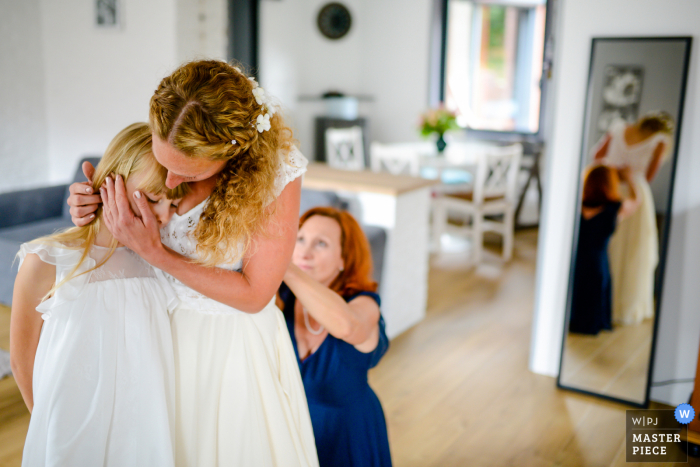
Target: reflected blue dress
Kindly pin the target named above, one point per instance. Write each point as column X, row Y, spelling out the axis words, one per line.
column 591, row 304
column 347, row 418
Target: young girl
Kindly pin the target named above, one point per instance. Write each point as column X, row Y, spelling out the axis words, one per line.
column 95, row 365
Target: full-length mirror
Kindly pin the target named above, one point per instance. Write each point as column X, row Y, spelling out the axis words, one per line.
column 632, row 123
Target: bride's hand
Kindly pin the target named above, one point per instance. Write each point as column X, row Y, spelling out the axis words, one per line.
column 82, row 201
column 138, row 232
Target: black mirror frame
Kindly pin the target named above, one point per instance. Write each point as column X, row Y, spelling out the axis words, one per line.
column 663, row 244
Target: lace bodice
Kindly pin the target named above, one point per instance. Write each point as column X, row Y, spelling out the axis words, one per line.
column 177, row 235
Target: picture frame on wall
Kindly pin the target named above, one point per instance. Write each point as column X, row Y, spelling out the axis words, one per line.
column 108, row 14
column 622, row 93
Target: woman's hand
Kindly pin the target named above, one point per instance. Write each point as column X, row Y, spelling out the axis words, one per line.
column 82, row 201
column 625, row 173
column 137, row 232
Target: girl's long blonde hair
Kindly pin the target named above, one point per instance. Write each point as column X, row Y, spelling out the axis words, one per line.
column 200, row 109
column 127, row 154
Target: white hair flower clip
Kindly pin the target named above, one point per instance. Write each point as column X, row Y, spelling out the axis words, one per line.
column 259, row 94
column 233, row 141
column 263, row 123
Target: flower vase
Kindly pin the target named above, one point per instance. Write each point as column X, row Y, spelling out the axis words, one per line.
column 441, row 144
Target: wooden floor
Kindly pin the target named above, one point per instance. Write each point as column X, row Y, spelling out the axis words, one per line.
column 614, row 362
column 455, row 389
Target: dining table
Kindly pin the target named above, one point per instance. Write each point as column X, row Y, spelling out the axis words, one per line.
column 455, row 167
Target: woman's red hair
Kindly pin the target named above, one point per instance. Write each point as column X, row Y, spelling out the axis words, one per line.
column 601, row 185
column 357, row 257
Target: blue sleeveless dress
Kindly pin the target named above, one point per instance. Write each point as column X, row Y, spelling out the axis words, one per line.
column 346, row 415
column 591, row 302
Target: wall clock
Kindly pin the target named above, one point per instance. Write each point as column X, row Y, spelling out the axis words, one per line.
column 334, row 20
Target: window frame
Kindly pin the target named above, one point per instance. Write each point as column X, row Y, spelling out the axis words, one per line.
column 440, row 74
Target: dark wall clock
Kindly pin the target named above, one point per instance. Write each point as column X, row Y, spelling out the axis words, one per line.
column 334, row 20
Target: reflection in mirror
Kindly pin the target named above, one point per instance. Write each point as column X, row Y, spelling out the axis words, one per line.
column 632, row 122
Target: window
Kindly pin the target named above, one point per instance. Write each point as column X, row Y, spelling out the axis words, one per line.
column 493, row 63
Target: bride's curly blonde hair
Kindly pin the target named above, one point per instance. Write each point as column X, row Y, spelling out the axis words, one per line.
column 200, row 109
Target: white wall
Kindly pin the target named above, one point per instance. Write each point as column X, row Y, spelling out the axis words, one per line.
column 385, row 55
column 100, row 80
column 201, row 29
column 67, row 87
column 396, row 47
column 23, row 126
column 679, row 331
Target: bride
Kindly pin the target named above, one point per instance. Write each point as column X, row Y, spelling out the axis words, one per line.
column 239, row 395
column 634, row 247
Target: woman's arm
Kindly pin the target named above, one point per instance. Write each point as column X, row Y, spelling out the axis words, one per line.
column 655, row 163
column 602, row 148
column 356, row 322
column 250, row 290
column 34, row 279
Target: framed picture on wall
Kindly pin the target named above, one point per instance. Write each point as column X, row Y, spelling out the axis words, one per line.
column 622, row 92
column 107, row 13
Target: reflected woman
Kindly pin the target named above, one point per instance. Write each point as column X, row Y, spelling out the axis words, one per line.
column 602, row 208
column 642, row 146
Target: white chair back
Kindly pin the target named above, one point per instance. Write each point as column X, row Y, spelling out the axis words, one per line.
column 344, row 148
column 497, row 173
column 395, row 160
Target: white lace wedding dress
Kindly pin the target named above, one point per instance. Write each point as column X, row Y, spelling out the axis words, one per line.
column 240, row 398
column 104, row 377
column 634, row 247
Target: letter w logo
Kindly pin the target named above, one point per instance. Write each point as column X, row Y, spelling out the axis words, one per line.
column 684, row 413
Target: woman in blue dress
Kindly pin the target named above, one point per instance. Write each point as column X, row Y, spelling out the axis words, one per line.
column 602, row 208
column 332, row 313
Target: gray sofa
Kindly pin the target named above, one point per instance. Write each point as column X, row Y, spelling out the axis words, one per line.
column 29, row 214
column 26, row 215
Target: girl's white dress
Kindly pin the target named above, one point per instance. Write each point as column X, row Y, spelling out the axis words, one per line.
column 240, row 398
column 104, row 371
column 634, row 247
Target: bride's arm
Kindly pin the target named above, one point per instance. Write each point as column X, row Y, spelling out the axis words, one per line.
column 250, row 290
column 655, row 163
column 601, row 148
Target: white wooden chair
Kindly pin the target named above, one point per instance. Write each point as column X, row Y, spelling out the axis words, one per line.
column 344, row 148
column 393, row 159
column 493, row 194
